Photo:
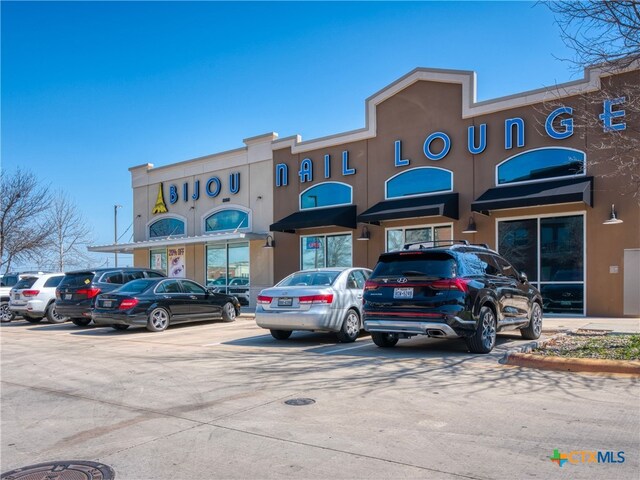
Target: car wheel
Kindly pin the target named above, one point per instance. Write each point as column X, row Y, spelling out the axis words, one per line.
column 53, row 316
column 484, row 338
column 33, row 319
column 228, row 312
column 534, row 329
column 350, row 327
column 81, row 322
column 6, row 315
column 158, row 320
column 384, row 339
column 280, row 334
column 119, row 327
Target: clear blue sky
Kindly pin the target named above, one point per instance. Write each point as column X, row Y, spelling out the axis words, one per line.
column 90, row 89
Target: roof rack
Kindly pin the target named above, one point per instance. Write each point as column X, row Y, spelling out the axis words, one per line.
column 433, row 244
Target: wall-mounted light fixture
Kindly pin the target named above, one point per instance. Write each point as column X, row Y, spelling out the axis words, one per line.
column 271, row 243
column 613, row 218
column 471, row 228
column 364, row 235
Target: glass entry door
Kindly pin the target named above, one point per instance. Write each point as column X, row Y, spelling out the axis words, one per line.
column 228, row 269
column 550, row 250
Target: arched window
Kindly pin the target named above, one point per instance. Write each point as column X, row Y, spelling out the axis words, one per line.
column 419, row 181
column 326, row 194
column 166, row 227
column 227, row 219
column 541, row 164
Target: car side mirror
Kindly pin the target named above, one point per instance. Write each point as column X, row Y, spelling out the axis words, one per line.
column 523, row 277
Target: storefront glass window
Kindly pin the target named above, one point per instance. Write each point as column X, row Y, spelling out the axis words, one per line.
column 419, row 181
column 398, row 237
column 166, row 227
column 326, row 251
column 325, row 195
column 550, row 251
column 541, row 164
column 158, row 260
column 228, row 269
column 227, row 220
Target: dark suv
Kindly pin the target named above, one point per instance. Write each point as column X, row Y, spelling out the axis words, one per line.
column 76, row 294
column 450, row 290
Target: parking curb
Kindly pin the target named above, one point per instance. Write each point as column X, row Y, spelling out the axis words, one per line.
column 592, row 365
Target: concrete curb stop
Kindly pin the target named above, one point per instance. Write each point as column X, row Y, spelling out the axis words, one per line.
column 522, row 358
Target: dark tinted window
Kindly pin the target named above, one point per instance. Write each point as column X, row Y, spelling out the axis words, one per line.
column 360, row 278
column 480, row 264
column 128, row 276
column 53, row 281
column 151, row 274
column 170, row 286
column 166, row 227
column 112, row 277
column 434, row 264
column 26, row 282
column 506, row 268
column 9, row 280
column 192, row 287
column 136, row 286
column 309, row 278
column 351, row 281
column 80, row 279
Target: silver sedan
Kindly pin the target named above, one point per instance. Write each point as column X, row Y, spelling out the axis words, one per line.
column 324, row 299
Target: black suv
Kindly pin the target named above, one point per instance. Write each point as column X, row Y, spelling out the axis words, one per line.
column 449, row 290
column 76, row 294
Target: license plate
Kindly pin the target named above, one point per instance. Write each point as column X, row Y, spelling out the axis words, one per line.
column 16, row 296
column 107, row 303
column 67, row 296
column 285, row 302
column 404, row 292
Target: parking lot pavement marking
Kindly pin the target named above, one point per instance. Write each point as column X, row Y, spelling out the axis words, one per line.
column 338, row 350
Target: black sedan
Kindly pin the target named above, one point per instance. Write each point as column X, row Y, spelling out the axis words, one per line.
column 158, row 302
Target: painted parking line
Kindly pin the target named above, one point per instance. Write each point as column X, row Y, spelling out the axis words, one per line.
column 338, row 350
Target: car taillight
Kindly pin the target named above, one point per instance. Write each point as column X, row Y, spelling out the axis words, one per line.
column 30, row 293
column 58, row 294
column 128, row 303
column 326, row 299
column 264, row 300
column 370, row 285
column 460, row 284
column 89, row 292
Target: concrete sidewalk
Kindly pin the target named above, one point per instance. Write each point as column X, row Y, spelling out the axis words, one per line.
column 610, row 324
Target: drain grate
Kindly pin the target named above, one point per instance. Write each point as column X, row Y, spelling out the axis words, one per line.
column 62, row 470
column 300, row 401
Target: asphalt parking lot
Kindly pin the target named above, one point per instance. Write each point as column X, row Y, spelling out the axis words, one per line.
column 207, row 400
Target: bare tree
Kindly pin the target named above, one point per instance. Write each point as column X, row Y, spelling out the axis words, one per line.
column 23, row 229
column 69, row 234
column 606, row 34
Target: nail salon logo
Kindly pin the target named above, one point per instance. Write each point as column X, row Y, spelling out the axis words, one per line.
column 577, row 457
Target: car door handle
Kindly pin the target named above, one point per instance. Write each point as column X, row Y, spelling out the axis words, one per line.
column 359, row 297
column 193, row 297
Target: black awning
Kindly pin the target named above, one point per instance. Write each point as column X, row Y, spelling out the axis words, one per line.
column 321, row 217
column 445, row 205
column 536, row 194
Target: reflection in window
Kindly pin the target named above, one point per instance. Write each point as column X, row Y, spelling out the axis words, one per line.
column 158, row 260
column 325, row 195
column 541, row 164
column 398, row 237
column 517, row 242
column 561, row 249
column 166, row 227
column 228, row 269
column 326, row 251
column 227, row 220
column 419, row 181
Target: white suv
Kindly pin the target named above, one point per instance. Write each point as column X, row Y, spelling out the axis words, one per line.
column 34, row 297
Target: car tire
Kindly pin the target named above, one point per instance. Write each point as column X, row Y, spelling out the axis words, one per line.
column 52, row 314
column 534, row 329
column 158, row 320
column 384, row 339
column 228, row 312
column 81, row 322
column 6, row 315
column 350, row 327
column 119, row 327
column 33, row 319
column 281, row 334
column 484, row 338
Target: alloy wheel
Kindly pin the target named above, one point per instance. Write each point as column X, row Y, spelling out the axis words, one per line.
column 160, row 319
column 488, row 330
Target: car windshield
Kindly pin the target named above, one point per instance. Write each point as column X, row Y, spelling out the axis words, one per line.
column 26, row 282
column 436, row 265
column 323, row 278
column 79, row 279
column 136, row 286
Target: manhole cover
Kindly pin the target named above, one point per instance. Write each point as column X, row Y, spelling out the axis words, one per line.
column 300, row 401
column 62, row 470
